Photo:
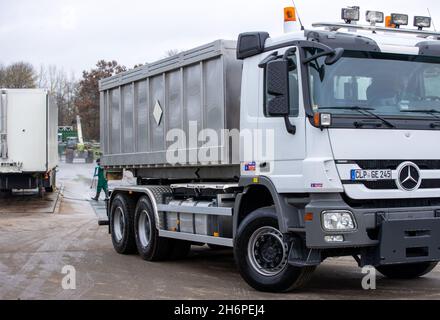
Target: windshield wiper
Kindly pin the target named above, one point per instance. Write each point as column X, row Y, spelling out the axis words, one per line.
column 432, row 112
column 365, row 110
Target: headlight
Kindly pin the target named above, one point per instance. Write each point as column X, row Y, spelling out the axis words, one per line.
column 340, row 220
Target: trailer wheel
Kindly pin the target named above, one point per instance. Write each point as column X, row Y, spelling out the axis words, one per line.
column 407, row 271
column 150, row 246
column 121, row 225
column 262, row 255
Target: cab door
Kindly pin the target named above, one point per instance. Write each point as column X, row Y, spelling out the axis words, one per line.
column 282, row 153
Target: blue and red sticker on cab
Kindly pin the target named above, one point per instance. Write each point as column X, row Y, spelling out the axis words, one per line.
column 250, row 166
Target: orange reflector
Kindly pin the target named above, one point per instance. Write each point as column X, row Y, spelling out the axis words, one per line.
column 289, row 14
column 216, row 234
column 317, row 119
column 308, row 216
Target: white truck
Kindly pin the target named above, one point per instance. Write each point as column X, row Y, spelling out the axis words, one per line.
column 336, row 153
column 28, row 140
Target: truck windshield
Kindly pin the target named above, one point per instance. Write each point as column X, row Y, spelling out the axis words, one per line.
column 395, row 85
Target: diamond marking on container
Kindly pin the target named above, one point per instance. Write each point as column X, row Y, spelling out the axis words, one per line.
column 157, row 113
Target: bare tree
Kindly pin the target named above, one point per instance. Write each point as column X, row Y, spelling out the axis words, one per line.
column 63, row 88
column 87, row 96
column 18, row 75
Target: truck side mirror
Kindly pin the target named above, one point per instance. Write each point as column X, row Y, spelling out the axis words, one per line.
column 277, row 82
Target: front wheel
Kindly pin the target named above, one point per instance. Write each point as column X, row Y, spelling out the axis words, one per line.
column 407, row 271
column 262, row 253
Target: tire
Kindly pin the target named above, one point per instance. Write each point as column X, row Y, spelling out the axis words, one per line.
column 262, row 224
column 407, row 271
column 150, row 246
column 121, row 225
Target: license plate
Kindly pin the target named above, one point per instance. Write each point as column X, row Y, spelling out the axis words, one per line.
column 359, row 175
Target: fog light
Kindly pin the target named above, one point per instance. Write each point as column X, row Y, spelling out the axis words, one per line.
column 340, row 220
column 334, row 238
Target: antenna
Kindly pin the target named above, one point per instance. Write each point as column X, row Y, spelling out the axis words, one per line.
column 297, row 14
column 433, row 25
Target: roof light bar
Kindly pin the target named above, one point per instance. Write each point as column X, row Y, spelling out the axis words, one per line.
column 336, row 26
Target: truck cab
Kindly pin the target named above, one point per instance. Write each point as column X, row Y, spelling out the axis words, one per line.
column 343, row 119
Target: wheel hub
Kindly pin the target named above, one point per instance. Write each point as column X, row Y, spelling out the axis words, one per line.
column 144, row 229
column 119, row 224
column 267, row 251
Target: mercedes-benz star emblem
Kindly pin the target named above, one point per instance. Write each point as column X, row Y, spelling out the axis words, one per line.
column 408, row 177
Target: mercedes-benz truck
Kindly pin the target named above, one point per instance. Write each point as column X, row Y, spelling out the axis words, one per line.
column 318, row 143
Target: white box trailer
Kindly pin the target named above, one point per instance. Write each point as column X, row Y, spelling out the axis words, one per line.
column 28, row 139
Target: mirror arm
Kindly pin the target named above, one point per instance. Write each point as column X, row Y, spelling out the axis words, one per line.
column 289, row 52
column 319, row 55
column 268, row 59
column 289, row 126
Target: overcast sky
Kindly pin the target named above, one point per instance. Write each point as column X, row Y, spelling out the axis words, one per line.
column 74, row 34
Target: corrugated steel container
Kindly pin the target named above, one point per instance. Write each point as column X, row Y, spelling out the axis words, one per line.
column 140, row 106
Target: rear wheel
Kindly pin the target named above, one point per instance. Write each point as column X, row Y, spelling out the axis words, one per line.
column 121, row 225
column 407, row 271
column 262, row 255
column 150, row 246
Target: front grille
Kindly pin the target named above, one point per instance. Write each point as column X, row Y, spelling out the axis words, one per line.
column 391, row 203
column 393, row 164
column 391, row 184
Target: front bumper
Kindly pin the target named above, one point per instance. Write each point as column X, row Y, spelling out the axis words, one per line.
column 383, row 235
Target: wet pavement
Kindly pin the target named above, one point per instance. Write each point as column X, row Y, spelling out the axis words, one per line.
column 35, row 245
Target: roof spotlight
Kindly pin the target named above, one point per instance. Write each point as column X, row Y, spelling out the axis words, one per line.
column 399, row 19
column 422, row 22
column 350, row 14
column 374, row 17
